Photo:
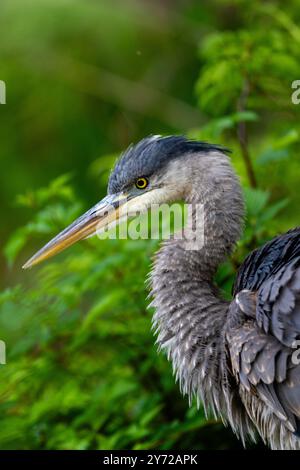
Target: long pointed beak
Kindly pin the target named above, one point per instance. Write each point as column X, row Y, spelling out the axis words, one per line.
column 99, row 217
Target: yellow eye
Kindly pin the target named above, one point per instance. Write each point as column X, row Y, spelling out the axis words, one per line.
column 141, row 183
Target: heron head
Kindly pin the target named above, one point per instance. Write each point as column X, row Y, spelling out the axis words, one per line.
column 154, row 171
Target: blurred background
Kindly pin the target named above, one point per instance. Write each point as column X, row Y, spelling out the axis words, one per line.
column 84, row 79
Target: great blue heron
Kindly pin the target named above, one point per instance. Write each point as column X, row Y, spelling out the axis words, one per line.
column 237, row 358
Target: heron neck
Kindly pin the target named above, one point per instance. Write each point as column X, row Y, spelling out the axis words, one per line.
column 190, row 312
column 217, row 199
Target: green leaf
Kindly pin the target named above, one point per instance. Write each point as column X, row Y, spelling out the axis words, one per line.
column 256, row 200
column 289, row 138
column 14, row 245
column 272, row 155
column 273, row 210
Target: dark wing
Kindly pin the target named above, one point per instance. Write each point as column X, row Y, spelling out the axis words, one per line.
column 263, row 326
column 273, row 274
column 267, row 260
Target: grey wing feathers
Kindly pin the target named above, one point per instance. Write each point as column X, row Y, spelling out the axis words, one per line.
column 257, row 357
column 260, row 362
column 278, row 304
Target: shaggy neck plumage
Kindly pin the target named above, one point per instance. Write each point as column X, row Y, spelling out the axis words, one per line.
column 189, row 312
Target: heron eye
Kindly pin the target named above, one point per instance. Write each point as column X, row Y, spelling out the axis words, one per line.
column 141, row 183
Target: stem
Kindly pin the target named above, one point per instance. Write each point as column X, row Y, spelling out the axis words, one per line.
column 243, row 136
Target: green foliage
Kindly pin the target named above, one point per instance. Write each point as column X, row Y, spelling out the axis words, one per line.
column 53, row 214
column 82, row 369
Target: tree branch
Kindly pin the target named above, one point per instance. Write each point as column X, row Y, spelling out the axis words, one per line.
column 243, row 135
